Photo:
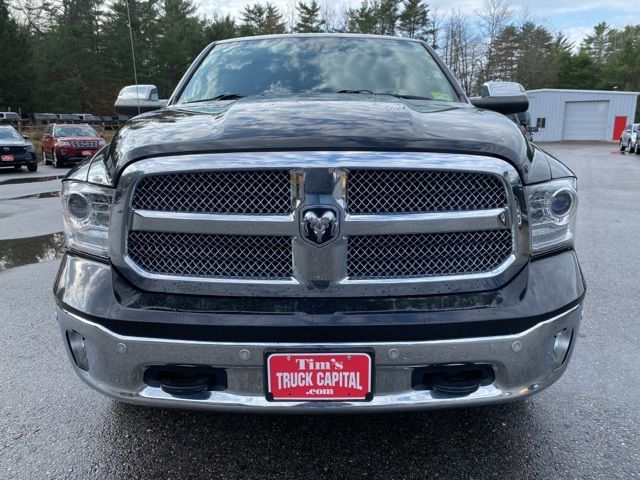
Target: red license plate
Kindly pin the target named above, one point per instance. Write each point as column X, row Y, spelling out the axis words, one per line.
column 7, row 158
column 86, row 153
column 319, row 376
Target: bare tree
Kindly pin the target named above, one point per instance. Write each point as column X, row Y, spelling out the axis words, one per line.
column 461, row 50
column 493, row 17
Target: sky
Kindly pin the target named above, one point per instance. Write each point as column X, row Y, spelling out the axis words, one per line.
column 574, row 17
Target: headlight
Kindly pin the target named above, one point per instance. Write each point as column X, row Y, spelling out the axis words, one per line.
column 552, row 214
column 86, row 210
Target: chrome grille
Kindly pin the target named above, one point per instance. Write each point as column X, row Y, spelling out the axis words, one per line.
column 84, row 143
column 404, row 191
column 428, row 254
column 224, row 192
column 204, row 255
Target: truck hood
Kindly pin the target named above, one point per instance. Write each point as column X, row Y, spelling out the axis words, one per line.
column 335, row 122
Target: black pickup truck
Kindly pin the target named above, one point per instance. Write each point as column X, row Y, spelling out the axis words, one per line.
column 320, row 223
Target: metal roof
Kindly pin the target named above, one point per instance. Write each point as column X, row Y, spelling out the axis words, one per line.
column 568, row 90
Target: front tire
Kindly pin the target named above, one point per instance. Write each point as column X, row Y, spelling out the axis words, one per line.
column 56, row 164
column 621, row 145
column 32, row 168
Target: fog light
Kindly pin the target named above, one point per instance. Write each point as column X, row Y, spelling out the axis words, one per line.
column 78, row 349
column 561, row 343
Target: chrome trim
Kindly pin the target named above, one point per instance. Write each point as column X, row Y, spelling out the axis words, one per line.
column 424, row 222
column 117, row 363
column 146, row 220
column 320, row 271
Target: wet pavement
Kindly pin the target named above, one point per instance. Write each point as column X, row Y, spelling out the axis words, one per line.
column 586, row 426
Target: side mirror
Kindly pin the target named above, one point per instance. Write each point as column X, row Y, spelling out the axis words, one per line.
column 26, row 137
column 502, row 97
column 135, row 99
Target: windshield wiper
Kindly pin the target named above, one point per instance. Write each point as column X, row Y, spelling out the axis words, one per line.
column 356, row 91
column 222, row 96
column 397, row 95
column 408, row 97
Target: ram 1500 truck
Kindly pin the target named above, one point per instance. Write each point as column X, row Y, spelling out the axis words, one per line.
column 320, row 223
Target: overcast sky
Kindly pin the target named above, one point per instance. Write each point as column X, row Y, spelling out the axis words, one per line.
column 575, row 17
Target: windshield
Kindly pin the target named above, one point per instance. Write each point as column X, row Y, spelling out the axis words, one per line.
column 297, row 65
column 75, row 131
column 9, row 133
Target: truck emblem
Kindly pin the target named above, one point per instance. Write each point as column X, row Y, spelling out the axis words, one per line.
column 319, row 225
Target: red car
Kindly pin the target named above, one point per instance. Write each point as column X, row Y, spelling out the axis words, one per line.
column 69, row 143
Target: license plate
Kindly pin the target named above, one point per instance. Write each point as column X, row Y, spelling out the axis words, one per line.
column 86, row 153
column 7, row 158
column 319, row 376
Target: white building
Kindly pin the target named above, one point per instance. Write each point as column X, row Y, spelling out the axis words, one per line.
column 580, row 114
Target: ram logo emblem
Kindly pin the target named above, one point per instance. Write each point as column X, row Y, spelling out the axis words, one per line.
column 319, row 225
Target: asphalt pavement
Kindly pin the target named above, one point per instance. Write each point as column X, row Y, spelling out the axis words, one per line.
column 586, row 426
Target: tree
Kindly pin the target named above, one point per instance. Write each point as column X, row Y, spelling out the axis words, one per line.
column 387, row 17
column 494, row 17
column 180, row 39
column 261, row 20
column 273, row 23
column 598, row 45
column 414, row 19
column 364, row 18
column 309, row 19
column 461, row 51
column 253, row 20
column 220, row 28
column 15, row 53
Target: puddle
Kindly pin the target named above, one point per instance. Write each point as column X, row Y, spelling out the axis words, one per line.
column 14, row 181
column 34, row 195
column 24, row 251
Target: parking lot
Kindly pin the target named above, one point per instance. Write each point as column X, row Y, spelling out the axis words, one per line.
column 585, row 426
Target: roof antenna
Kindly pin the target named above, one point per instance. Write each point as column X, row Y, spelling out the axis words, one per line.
column 133, row 56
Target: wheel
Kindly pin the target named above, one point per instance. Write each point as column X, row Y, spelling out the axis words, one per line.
column 637, row 152
column 621, row 145
column 56, row 164
column 32, row 168
column 44, row 157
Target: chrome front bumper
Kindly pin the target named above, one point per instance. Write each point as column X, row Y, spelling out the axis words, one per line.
column 523, row 364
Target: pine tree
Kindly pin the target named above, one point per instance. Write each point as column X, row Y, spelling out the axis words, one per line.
column 253, row 20
column 364, row 18
column 387, row 16
column 414, row 19
column 598, row 45
column 15, row 54
column 181, row 38
column 221, row 28
column 273, row 23
column 309, row 18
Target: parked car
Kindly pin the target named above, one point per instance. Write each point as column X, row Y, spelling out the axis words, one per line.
column 63, row 144
column 9, row 117
column 87, row 117
column 45, row 117
column 320, row 223
column 629, row 139
column 16, row 150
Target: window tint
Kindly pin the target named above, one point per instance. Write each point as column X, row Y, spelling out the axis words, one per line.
column 318, row 65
